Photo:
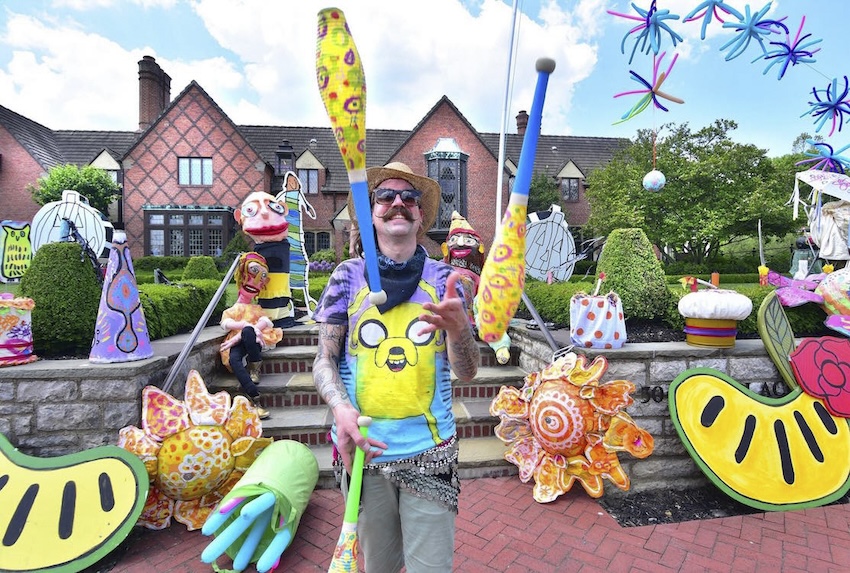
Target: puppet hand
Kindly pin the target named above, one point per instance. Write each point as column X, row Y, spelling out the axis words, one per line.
column 254, row 516
column 231, row 342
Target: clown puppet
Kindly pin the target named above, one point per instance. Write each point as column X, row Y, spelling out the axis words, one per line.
column 249, row 330
column 263, row 218
column 464, row 250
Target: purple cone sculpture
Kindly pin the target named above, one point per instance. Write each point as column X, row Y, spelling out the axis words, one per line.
column 121, row 333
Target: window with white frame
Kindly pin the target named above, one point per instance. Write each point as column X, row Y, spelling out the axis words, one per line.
column 194, row 171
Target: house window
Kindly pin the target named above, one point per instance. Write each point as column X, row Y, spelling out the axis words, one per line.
column 187, row 231
column 157, row 242
column 309, row 180
column 316, row 241
column 194, row 170
column 569, row 190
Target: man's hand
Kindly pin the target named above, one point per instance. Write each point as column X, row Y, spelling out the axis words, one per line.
column 449, row 314
column 348, row 436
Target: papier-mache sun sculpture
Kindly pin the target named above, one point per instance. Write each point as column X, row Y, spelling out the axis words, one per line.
column 194, row 450
column 564, row 425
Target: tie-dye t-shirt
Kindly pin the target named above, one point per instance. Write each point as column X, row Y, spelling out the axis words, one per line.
column 399, row 378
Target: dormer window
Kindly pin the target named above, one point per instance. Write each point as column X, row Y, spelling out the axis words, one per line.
column 569, row 190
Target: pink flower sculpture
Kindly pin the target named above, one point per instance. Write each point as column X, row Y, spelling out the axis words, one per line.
column 822, row 367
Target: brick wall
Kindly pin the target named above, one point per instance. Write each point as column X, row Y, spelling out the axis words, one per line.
column 194, row 127
column 18, row 170
column 481, row 168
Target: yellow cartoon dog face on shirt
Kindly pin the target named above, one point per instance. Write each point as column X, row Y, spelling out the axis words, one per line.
column 396, row 370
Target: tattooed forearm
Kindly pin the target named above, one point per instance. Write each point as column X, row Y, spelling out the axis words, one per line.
column 463, row 355
column 326, row 365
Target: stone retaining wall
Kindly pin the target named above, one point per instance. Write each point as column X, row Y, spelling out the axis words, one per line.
column 55, row 407
column 652, row 367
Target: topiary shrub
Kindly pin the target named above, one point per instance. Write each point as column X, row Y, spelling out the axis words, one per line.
column 66, row 292
column 201, row 268
column 632, row 271
column 240, row 243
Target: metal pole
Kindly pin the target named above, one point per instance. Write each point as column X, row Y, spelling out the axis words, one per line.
column 187, row 348
column 540, row 323
column 508, row 84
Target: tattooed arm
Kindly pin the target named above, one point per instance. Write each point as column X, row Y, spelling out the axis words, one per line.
column 326, row 365
column 331, row 388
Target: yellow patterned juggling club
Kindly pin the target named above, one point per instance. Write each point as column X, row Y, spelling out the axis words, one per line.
column 503, row 275
column 347, row 547
column 342, row 84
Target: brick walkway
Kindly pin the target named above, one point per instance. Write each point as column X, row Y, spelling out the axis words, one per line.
column 502, row 529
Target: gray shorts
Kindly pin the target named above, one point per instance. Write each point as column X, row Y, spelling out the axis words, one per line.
column 396, row 528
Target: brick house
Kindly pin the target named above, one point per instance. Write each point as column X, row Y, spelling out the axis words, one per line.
column 188, row 166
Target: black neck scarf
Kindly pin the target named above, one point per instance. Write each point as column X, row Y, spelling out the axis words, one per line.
column 399, row 280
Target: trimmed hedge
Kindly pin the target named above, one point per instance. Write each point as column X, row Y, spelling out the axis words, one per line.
column 177, row 308
column 66, row 293
column 632, row 271
column 150, row 263
column 553, row 304
column 805, row 320
column 202, row 267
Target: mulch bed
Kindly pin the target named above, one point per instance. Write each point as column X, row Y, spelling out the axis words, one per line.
column 657, row 507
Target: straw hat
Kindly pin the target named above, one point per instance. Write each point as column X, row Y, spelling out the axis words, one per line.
column 429, row 204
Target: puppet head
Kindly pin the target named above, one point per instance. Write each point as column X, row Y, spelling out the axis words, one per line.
column 252, row 274
column 463, row 248
column 263, row 218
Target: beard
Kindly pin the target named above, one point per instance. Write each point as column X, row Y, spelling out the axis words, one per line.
column 472, row 261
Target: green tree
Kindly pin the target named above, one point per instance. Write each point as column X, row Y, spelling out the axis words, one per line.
column 93, row 183
column 716, row 191
column 542, row 193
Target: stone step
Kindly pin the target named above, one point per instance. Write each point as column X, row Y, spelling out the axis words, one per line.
column 297, row 350
column 477, row 458
column 311, row 424
column 297, row 389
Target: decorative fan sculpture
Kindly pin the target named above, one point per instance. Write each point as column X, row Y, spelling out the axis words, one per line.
column 195, row 450
column 565, row 426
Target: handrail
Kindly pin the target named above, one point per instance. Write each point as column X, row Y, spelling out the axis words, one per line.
column 181, row 358
column 556, row 350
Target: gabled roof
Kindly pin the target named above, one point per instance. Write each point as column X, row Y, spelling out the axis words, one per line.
column 34, row 137
column 380, row 145
column 433, row 110
column 193, row 85
column 555, row 151
column 52, row 148
column 83, row 147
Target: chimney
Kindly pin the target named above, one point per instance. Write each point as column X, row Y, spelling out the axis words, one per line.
column 154, row 91
column 521, row 122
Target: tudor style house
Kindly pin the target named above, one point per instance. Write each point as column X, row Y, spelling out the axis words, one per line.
column 188, row 166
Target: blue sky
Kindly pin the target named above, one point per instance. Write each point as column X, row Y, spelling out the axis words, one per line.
column 72, row 64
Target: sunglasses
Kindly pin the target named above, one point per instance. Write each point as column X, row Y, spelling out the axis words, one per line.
column 410, row 197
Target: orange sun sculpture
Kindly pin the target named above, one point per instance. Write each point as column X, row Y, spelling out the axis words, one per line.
column 195, row 450
column 564, row 426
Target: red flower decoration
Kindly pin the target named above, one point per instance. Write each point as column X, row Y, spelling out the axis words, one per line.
column 822, row 367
